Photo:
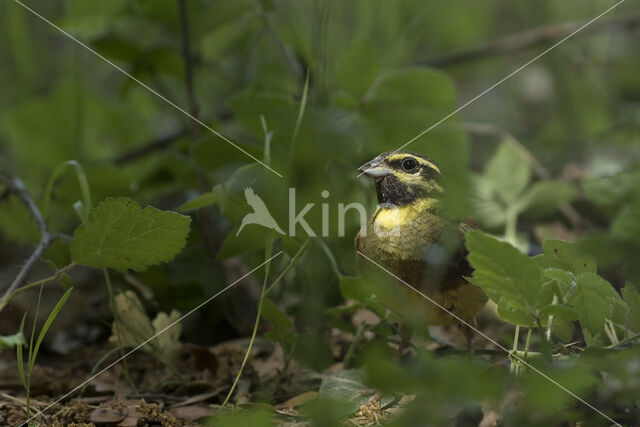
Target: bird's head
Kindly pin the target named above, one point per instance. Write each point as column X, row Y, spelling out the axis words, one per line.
column 401, row 177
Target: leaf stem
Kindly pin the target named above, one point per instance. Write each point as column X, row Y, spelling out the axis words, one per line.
column 516, row 337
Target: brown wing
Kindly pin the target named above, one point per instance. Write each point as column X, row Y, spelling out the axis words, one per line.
column 458, row 266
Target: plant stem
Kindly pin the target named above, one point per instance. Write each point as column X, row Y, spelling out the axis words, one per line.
column 526, row 344
column 516, row 337
column 287, row 268
column 268, row 250
column 510, row 225
column 116, row 323
column 624, row 341
column 352, row 348
column 550, row 319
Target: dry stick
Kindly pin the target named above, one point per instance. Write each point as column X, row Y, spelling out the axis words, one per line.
column 206, row 224
column 16, row 186
column 531, row 38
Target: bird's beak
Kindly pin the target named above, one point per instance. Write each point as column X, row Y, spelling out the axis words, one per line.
column 374, row 169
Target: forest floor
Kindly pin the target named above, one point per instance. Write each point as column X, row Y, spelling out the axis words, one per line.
column 144, row 391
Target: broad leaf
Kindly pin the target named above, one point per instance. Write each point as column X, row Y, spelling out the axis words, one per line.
column 503, row 270
column 632, row 298
column 121, row 235
column 544, row 197
column 593, row 299
column 565, row 256
column 508, row 173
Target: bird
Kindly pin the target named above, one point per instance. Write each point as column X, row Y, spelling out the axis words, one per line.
column 410, row 235
column 260, row 214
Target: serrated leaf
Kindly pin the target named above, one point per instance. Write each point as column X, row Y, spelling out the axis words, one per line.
column 565, row 256
column 119, row 234
column 503, row 270
column 593, row 299
column 508, row 173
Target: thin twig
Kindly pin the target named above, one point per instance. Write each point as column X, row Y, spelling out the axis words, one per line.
column 150, row 147
column 51, row 278
column 531, row 38
column 16, row 186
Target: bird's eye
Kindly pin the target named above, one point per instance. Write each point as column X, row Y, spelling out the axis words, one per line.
column 409, row 164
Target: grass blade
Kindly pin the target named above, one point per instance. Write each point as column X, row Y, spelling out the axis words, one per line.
column 19, row 355
column 47, row 324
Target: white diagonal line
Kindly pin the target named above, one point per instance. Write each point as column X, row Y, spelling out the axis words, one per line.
column 507, row 77
column 153, row 91
column 151, row 338
column 491, row 340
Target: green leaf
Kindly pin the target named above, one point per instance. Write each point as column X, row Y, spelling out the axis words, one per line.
column 626, row 224
column 275, row 316
column 10, row 341
column 593, row 299
column 544, row 197
column 52, row 315
column 488, row 209
column 514, row 313
column 90, row 19
column 357, row 67
column 566, row 256
column 560, row 311
column 202, row 201
column 508, row 173
column 121, row 235
column 354, row 288
column 632, row 298
column 563, row 329
column 502, row 270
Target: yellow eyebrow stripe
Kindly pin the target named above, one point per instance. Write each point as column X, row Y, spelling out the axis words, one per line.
column 399, row 156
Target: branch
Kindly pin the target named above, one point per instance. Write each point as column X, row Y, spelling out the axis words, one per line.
column 537, row 36
column 14, row 185
column 187, row 58
column 155, row 145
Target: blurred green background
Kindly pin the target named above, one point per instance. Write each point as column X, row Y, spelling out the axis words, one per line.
column 315, row 89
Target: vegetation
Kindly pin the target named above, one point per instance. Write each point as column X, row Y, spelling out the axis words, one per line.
column 128, row 143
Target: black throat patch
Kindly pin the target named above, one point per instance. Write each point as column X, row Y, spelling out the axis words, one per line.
column 391, row 190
